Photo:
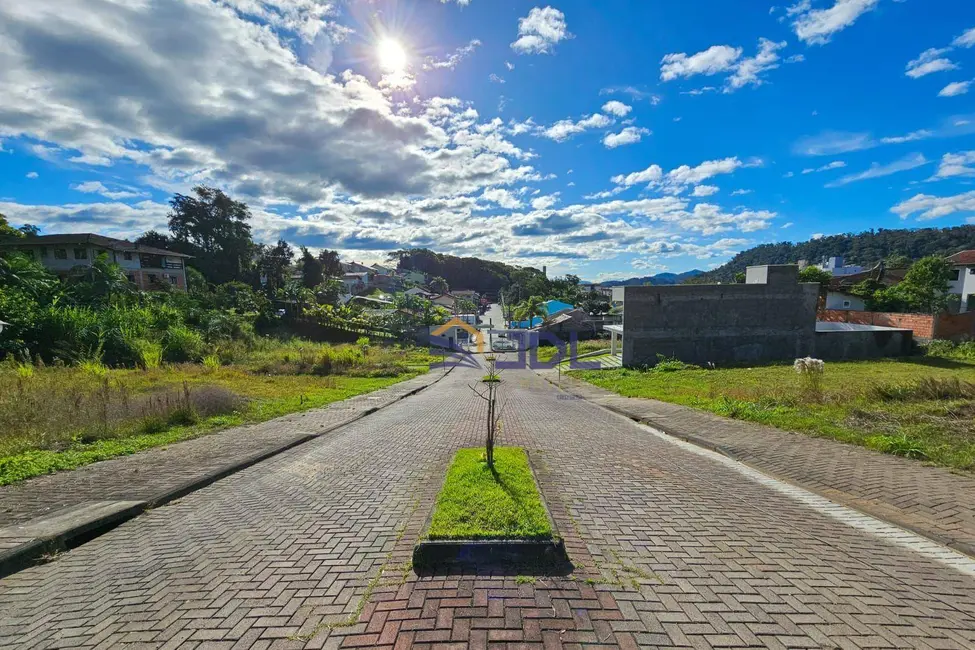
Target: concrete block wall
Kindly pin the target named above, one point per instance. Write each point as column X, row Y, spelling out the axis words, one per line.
column 769, row 318
column 851, row 345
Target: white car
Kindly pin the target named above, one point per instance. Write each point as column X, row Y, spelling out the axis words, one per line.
column 504, row 345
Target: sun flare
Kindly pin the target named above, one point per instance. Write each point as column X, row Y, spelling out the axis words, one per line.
column 392, row 56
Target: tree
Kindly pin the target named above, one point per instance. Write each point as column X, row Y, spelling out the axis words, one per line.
column 214, row 229
column 297, row 294
column 439, row 285
column 99, row 283
column 7, row 231
column 897, row 261
column 154, row 239
column 530, row 308
column 311, row 269
column 272, row 264
column 331, row 264
column 739, row 277
column 925, row 287
column 595, row 303
column 328, row 292
column 21, row 273
column 815, row 274
column 30, row 230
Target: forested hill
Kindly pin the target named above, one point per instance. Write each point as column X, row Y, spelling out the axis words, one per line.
column 865, row 249
column 660, row 278
column 483, row 276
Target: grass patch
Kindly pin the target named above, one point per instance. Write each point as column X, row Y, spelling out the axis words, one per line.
column 475, row 503
column 920, row 407
column 57, row 418
column 548, row 352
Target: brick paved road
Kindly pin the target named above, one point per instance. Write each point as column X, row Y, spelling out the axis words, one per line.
column 680, row 551
column 932, row 500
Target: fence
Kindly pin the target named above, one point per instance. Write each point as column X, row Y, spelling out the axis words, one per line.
column 924, row 326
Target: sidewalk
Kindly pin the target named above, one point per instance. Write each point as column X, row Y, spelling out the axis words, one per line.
column 111, row 491
column 931, row 501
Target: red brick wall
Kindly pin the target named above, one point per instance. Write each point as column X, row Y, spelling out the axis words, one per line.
column 956, row 326
column 921, row 324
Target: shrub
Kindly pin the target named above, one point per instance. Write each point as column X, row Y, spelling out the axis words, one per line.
column 211, row 362
column 672, row 364
column 897, row 445
column 182, row 344
column 150, row 354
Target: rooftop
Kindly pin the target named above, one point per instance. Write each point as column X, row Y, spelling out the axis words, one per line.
column 91, row 240
column 962, row 257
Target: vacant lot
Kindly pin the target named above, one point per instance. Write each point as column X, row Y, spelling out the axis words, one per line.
column 54, row 418
column 921, row 407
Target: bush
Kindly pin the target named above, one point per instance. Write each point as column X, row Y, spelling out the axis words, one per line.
column 949, row 350
column 182, row 344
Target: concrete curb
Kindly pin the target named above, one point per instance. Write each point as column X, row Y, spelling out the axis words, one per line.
column 85, row 529
column 833, row 495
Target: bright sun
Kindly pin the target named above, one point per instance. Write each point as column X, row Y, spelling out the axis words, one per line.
column 392, row 56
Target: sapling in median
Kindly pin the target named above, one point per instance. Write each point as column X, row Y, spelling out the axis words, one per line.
column 492, row 382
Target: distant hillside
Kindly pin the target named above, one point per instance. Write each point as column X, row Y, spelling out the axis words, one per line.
column 660, row 278
column 483, row 276
column 864, row 249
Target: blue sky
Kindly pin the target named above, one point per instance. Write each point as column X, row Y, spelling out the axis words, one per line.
column 606, row 139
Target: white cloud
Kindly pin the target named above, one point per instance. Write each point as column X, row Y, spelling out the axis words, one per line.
column 817, row 26
column 705, row 190
column 787, row 225
column 955, row 88
column 749, row 69
column 676, row 180
column 954, row 165
column 816, row 235
column 619, row 109
column 453, row 59
column 715, row 59
column 462, row 3
column 629, row 135
column 932, row 207
column 111, row 219
column 32, row 175
column 545, row 202
column 741, row 192
column 540, row 31
column 929, row 62
column 837, row 164
column 877, row 170
column 97, row 187
column 565, row 129
column 503, row 198
column 493, row 78
column 967, row 39
column 913, row 136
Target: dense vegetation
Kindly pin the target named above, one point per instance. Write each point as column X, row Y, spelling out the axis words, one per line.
column 659, row 279
column 482, row 276
column 864, row 249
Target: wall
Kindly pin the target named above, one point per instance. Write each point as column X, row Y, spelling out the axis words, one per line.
column 835, row 300
column 769, row 318
column 924, row 326
column 921, row 324
column 838, row 345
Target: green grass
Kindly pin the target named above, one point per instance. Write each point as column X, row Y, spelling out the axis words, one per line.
column 547, row 353
column 475, row 503
column 922, row 407
column 58, row 418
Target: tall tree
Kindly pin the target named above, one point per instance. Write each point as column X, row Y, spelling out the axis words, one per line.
column 272, row 265
column 30, row 230
column 215, row 230
column 331, row 264
column 439, row 285
column 7, row 231
column 311, row 269
column 155, row 239
column 925, row 286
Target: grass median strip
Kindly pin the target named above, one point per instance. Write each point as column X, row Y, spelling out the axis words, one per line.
column 476, row 503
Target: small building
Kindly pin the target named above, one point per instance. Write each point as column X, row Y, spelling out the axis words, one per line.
column 379, row 269
column 962, row 280
column 840, row 296
column 841, row 300
column 356, row 282
column 413, row 276
column 835, row 266
column 445, row 300
column 145, row 266
column 355, row 267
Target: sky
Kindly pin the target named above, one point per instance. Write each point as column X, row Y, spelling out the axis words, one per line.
column 607, row 138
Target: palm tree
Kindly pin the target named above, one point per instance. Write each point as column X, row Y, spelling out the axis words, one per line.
column 530, row 308
column 439, row 285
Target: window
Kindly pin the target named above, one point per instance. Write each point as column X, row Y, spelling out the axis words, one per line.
column 846, row 303
column 81, row 253
column 152, row 278
column 127, row 256
column 43, row 250
column 971, row 270
column 954, row 275
column 60, row 253
column 172, row 280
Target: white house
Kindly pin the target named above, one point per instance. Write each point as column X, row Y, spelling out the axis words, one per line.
column 835, row 266
column 962, row 280
column 841, row 300
column 145, row 266
column 355, row 282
